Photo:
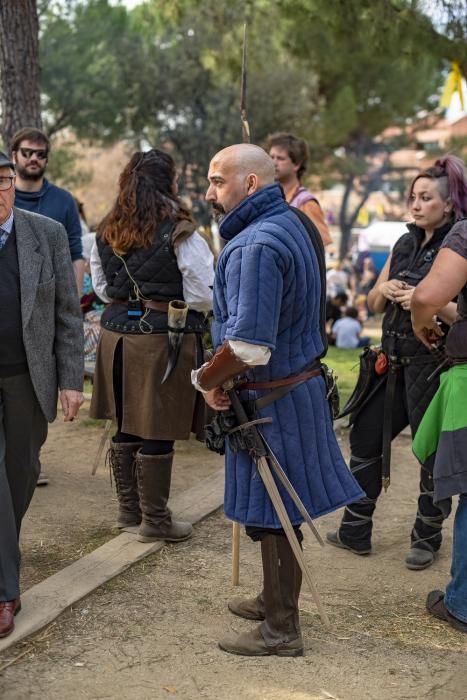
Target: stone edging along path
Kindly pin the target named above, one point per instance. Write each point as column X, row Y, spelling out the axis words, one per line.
column 42, row 603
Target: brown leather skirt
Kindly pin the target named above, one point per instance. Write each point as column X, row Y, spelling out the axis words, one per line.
column 150, row 410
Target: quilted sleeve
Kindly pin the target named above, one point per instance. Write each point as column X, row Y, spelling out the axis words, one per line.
column 254, row 285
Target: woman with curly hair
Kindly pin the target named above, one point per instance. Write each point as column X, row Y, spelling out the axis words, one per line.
column 400, row 395
column 147, row 254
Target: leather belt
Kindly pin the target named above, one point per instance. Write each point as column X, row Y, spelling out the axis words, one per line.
column 275, row 383
column 156, row 305
column 148, row 304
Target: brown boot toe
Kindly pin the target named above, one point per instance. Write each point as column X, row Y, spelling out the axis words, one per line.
column 248, row 608
column 252, row 644
column 174, row 531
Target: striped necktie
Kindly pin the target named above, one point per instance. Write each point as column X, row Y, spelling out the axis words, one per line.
column 3, row 237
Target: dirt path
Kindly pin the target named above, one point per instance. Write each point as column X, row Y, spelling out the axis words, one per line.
column 153, row 631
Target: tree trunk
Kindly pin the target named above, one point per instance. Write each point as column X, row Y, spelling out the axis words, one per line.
column 344, row 225
column 19, row 67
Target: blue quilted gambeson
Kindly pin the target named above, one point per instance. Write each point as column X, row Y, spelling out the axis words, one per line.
column 267, row 292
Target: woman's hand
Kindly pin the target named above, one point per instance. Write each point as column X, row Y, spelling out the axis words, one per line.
column 404, row 295
column 217, row 399
column 427, row 333
column 390, row 288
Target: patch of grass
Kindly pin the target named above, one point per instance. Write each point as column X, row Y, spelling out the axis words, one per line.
column 345, row 364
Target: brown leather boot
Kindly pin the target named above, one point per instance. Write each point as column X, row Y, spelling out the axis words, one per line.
column 154, row 473
column 121, row 456
column 279, row 634
column 249, row 608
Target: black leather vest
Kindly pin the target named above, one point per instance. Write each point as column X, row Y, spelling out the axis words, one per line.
column 155, row 271
column 410, row 262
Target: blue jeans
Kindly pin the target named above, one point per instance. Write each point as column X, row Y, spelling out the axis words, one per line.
column 456, row 590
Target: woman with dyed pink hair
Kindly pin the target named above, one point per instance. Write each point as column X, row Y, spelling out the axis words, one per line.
column 399, row 389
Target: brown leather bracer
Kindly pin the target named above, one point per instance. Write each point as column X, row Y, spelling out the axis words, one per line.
column 223, row 366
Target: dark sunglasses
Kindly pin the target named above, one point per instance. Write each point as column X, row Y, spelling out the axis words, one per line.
column 41, row 153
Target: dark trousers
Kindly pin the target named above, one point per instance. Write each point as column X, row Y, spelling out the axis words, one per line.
column 366, row 445
column 23, row 430
column 257, row 534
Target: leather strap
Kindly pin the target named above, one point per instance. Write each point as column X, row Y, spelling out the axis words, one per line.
column 156, row 305
column 149, row 304
column 387, row 426
column 275, row 383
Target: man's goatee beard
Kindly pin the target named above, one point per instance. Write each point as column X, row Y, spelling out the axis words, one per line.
column 33, row 177
column 218, row 214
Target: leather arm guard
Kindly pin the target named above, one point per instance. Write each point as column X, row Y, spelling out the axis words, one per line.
column 224, row 365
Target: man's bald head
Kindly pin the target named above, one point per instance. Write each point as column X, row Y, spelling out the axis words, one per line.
column 246, row 158
column 237, row 172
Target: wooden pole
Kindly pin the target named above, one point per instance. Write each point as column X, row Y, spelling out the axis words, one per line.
column 235, row 554
column 245, row 139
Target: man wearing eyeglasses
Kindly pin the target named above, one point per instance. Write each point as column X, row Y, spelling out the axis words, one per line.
column 41, row 350
column 30, row 152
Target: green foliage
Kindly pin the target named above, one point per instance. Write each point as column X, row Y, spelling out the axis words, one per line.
column 89, row 55
column 63, row 169
column 345, row 364
column 334, row 71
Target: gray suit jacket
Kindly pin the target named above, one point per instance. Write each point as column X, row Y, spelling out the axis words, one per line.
column 51, row 316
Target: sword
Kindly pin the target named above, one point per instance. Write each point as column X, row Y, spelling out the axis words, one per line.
column 259, row 453
column 176, row 318
column 282, row 476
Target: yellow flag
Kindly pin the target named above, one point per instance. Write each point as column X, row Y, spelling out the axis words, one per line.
column 453, row 84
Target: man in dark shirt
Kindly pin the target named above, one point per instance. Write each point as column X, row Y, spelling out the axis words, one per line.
column 41, row 350
column 30, row 152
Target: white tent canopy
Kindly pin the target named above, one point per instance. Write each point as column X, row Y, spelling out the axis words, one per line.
column 381, row 235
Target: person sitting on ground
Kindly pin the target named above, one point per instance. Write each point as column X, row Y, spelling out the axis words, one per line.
column 334, row 306
column 346, row 331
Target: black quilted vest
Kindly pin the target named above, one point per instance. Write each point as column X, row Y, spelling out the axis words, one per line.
column 410, row 262
column 155, row 271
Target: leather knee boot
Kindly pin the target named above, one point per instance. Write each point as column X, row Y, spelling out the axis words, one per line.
column 426, row 534
column 121, row 457
column 154, row 473
column 279, row 634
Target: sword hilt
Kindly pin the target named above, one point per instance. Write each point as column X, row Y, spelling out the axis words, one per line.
column 257, row 446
